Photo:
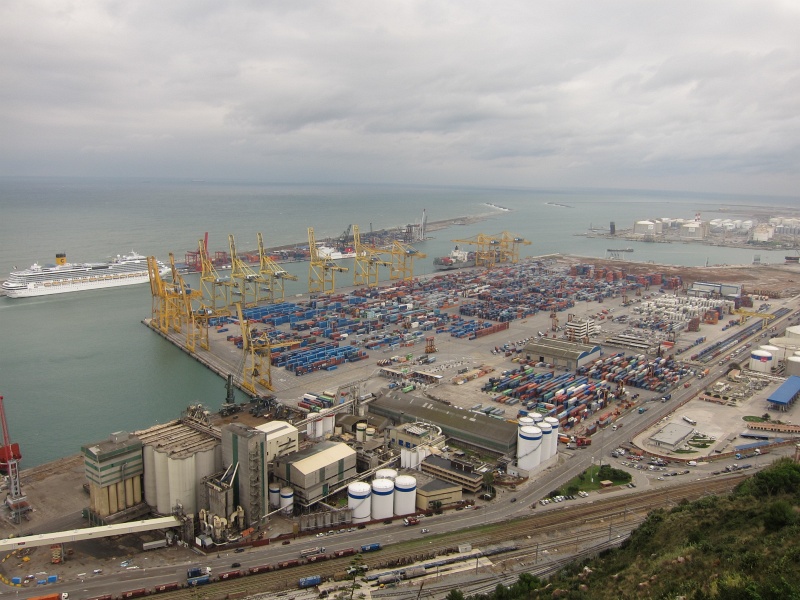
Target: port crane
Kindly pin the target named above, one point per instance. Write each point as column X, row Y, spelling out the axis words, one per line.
column 403, row 257
column 746, row 314
column 367, row 262
column 256, row 364
column 274, row 275
column 493, row 249
column 510, row 247
column 216, row 290
column 246, row 282
column 16, row 501
column 321, row 269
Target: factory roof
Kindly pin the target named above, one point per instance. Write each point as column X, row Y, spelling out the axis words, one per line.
column 787, row 392
column 474, row 428
column 320, row 455
column 116, row 444
column 672, row 434
column 561, row 348
column 177, row 439
column 434, row 485
column 276, row 428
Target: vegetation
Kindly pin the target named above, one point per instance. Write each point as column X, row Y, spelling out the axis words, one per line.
column 590, row 479
column 742, row 546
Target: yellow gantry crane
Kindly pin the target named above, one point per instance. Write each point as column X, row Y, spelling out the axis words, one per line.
column 746, row 314
column 274, row 274
column 216, row 290
column 246, row 282
column 403, row 257
column 174, row 304
column 493, row 249
column 367, row 262
column 321, row 269
column 158, row 309
column 509, row 247
column 256, row 364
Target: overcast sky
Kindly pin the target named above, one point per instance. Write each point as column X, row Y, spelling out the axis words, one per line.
column 631, row 94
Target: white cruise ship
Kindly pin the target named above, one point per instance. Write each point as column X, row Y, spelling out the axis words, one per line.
column 68, row 277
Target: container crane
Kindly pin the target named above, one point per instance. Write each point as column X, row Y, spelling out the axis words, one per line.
column 246, row 282
column 746, row 314
column 486, row 249
column 253, row 367
column 16, row 501
column 274, row 275
column 367, row 262
column 509, row 247
column 158, row 310
column 216, row 290
column 321, row 269
column 403, row 257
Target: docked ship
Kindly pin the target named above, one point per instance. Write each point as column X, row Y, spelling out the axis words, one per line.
column 457, row 259
column 64, row 277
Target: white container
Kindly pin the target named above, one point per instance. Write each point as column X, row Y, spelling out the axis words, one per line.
column 760, row 361
column 361, row 432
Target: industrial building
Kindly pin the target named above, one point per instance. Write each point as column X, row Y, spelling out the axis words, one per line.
column 471, row 430
column 648, row 228
column 562, row 353
column 581, row 329
column 314, row 473
column 281, row 439
column 704, row 289
column 672, row 435
column 244, row 449
column 438, row 490
column 786, row 395
column 455, row 471
column 114, row 469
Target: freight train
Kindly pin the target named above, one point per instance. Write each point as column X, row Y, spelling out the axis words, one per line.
column 202, row 575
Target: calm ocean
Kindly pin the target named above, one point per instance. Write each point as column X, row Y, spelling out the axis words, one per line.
column 76, row 367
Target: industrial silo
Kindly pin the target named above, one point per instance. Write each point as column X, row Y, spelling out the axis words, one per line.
column 526, row 422
column 386, row 474
column 148, row 454
column 537, row 417
column 405, row 495
column 547, row 431
column 792, row 332
column 369, row 434
column 777, row 353
column 358, row 499
column 181, row 481
column 328, row 423
column 274, row 493
column 793, row 366
column 361, row 432
column 761, row 361
column 310, row 428
column 382, row 499
column 287, row 500
column 529, row 447
column 553, row 435
column 163, row 505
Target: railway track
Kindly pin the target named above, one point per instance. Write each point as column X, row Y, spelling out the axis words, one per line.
column 593, row 523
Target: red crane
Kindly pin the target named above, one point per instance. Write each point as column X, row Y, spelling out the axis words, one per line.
column 16, row 501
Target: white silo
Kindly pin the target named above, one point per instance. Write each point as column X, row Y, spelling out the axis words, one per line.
column 361, row 432
column 793, row 366
column 797, row 353
column 328, row 423
column 181, row 482
column 287, row 500
column 358, row 496
column 150, row 497
column 274, row 493
column 405, row 495
column 310, row 427
column 162, row 483
column 382, row 499
column 537, row 417
column 529, row 447
column 553, row 435
column 760, row 361
column 777, row 353
column 369, row 434
column 526, row 422
column 792, row 332
column 386, row 474
column 547, row 432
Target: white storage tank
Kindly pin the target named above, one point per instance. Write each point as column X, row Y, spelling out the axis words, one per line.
column 761, row 361
column 361, row 432
column 328, row 423
column 553, row 435
column 529, row 447
column 162, row 483
column 793, row 366
column 358, row 500
column 369, row 434
column 181, row 482
column 386, row 474
column 150, row 497
column 274, row 493
column 310, row 428
column 526, row 422
column 792, row 332
column 776, row 352
column 405, row 495
column 547, row 432
column 318, row 428
column 287, row 500
column 382, row 499
column 537, row 417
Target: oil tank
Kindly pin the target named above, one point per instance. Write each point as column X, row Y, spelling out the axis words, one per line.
column 287, row 500
column 358, row 500
column 777, row 353
column 405, row 495
column 386, row 474
column 361, row 432
column 369, row 434
column 328, row 423
column 547, row 432
column 382, row 499
column 537, row 417
column 274, row 492
column 793, row 366
column 553, row 450
column 760, row 361
column 792, row 332
column 529, row 447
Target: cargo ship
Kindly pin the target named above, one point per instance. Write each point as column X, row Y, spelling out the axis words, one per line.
column 457, row 259
column 63, row 277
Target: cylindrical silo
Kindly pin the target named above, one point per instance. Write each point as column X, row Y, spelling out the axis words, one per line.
column 386, row 474
column 793, row 366
column 162, row 483
column 529, row 444
column 547, row 431
column 405, row 495
column 382, row 499
column 328, row 423
column 358, row 495
column 793, row 331
column 369, row 434
column 287, row 500
column 526, row 422
column 537, row 417
column 361, row 432
column 761, row 361
column 181, row 482
column 318, row 427
column 774, row 350
column 150, row 476
column 310, row 428
column 553, row 435
column 274, row 495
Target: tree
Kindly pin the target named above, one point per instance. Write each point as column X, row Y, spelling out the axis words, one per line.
column 454, row 595
column 779, row 514
column 436, row 505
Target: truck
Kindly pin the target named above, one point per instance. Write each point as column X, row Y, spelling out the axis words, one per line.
column 312, row 551
column 154, row 545
column 689, row 420
column 371, row 547
column 410, row 521
column 642, row 409
column 310, row 581
column 751, row 454
column 198, row 576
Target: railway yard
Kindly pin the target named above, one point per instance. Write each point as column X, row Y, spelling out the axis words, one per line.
column 482, row 328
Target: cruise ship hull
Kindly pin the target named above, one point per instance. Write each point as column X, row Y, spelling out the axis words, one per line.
column 62, row 287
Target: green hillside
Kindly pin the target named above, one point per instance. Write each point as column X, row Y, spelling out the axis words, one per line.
column 743, row 546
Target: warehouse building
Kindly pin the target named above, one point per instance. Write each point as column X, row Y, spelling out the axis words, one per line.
column 437, row 490
column 317, row 471
column 454, row 471
column 562, row 353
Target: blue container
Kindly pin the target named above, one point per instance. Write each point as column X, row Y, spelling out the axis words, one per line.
column 52, row 579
